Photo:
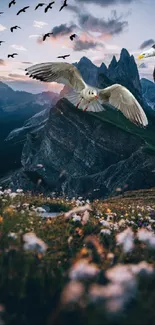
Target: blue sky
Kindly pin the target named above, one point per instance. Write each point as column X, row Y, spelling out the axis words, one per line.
column 103, row 27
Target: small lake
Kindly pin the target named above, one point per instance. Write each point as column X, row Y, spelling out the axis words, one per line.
column 49, row 214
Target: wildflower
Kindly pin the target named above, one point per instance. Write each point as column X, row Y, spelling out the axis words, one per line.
column 25, row 205
column 147, row 237
column 33, row 243
column 9, row 211
column 78, row 203
column 121, row 274
column 122, row 223
column 13, row 195
column 81, row 209
column 69, row 240
column 85, row 218
column 83, row 270
column 19, row 190
column 76, row 217
column 72, row 292
column 79, row 231
column 105, row 232
column 115, row 295
column 12, row 235
column 8, row 191
column 142, row 268
column 110, row 256
column 126, row 239
column 105, row 223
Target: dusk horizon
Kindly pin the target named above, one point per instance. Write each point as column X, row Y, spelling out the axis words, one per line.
column 103, row 28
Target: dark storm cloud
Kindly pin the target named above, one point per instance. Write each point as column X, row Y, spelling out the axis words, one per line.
column 85, row 45
column 105, row 3
column 73, row 8
column 62, row 30
column 112, row 26
column 146, row 43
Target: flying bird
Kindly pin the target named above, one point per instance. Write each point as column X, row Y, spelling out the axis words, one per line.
column 72, row 37
column 40, row 5
column 64, row 5
column 12, row 55
column 63, row 56
column 13, row 2
column 14, row 27
column 47, row 35
column 86, row 97
column 1, row 12
column 22, row 10
column 2, row 42
column 49, row 6
column 147, row 54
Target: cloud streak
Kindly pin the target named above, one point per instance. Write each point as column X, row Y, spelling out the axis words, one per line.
column 39, row 24
column 62, row 30
column 146, row 43
column 113, row 25
column 2, row 28
column 105, row 3
column 34, row 36
column 18, row 47
column 2, row 62
column 85, row 45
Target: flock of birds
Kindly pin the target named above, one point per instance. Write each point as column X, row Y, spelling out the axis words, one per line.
column 84, row 96
column 45, row 36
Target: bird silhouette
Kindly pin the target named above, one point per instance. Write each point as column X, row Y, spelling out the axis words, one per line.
column 72, row 37
column 64, row 5
column 2, row 42
column 13, row 2
column 63, row 56
column 1, row 12
column 47, row 35
column 49, row 6
column 41, row 4
column 22, row 10
column 14, row 27
column 12, row 55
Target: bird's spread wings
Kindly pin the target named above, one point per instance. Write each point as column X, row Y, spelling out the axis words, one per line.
column 121, row 98
column 59, row 72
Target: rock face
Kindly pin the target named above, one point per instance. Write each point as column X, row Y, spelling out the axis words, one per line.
column 148, row 89
column 77, row 154
column 124, row 72
column 91, row 155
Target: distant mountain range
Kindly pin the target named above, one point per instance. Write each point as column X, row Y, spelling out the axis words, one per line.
column 84, row 154
column 16, row 107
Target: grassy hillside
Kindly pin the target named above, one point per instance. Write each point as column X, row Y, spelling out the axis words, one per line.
column 93, row 265
column 117, row 118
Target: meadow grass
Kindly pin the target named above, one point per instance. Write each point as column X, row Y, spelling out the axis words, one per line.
column 98, row 267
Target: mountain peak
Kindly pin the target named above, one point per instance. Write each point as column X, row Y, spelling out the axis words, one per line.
column 113, row 63
column 124, row 53
column 85, row 60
